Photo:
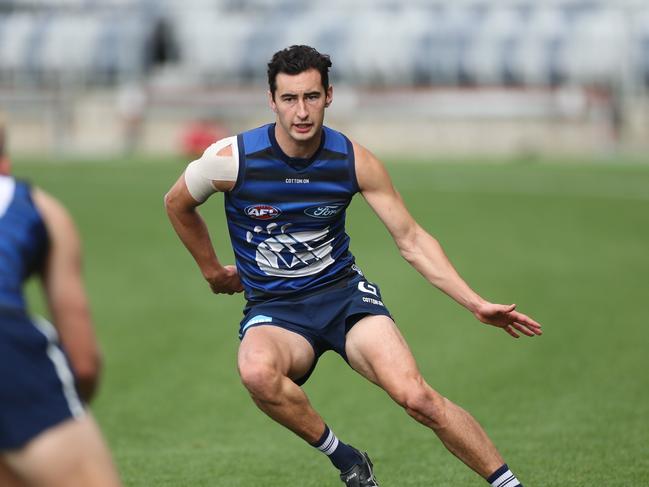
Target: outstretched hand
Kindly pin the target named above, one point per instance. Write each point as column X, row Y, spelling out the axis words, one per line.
column 226, row 282
column 506, row 317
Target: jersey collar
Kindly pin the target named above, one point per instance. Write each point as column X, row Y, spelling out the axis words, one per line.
column 296, row 163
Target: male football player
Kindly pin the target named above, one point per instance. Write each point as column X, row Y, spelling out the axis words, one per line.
column 287, row 186
column 47, row 437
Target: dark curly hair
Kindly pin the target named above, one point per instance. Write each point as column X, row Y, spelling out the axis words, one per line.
column 296, row 60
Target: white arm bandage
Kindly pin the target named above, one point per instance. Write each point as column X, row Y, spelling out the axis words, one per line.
column 212, row 167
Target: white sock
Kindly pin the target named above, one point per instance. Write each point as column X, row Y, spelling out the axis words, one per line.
column 503, row 477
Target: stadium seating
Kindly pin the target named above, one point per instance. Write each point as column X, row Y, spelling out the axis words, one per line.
column 374, row 43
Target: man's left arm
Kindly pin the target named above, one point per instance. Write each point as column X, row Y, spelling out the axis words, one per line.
column 65, row 292
column 425, row 253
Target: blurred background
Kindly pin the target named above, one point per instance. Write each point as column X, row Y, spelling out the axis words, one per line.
column 122, row 93
column 412, row 77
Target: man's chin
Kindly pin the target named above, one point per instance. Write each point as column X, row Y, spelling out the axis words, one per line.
column 303, row 136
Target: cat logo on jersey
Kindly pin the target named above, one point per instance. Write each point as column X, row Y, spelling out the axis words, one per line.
column 292, row 254
column 262, row 212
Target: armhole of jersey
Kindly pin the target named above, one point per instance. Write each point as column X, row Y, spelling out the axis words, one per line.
column 27, row 187
column 47, row 242
column 352, row 165
column 241, row 155
column 29, row 190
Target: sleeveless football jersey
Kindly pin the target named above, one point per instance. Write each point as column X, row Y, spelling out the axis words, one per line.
column 23, row 241
column 286, row 216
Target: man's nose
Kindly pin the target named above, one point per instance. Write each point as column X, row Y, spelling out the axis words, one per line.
column 301, row 109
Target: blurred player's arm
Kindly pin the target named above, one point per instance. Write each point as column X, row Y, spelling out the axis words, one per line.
column 65, row 293
column 425, row 253
column 214, row 171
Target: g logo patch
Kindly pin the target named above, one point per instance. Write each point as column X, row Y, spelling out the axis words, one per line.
column 368, row 288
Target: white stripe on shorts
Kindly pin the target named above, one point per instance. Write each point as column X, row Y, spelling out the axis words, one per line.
column 60, row 366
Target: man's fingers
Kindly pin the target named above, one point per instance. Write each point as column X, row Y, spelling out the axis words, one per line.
column 532, row 325
column 238, row 285
column 509, row 330
column 230, row 285
column 523, row 329
column 527, row 321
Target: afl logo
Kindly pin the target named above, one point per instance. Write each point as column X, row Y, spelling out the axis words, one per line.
column 324, row 211
column 262, row 212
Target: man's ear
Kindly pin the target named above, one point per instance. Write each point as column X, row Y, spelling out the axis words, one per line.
column 271, row 102
column 329, row 96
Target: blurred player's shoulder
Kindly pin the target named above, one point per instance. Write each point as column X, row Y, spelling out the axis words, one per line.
column 47, row 203
column 56, row 217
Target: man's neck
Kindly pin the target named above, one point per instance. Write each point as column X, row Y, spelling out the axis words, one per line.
column 297, row 149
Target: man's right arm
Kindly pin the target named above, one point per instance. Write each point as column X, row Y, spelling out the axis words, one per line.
column 191, row 228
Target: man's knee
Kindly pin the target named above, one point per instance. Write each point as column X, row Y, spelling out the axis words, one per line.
column 423, row 403
column 261, row 379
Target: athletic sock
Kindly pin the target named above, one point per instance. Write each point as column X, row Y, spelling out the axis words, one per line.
column 341, row 455
column 503, row 477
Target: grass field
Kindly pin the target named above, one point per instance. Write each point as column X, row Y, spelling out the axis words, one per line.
column 569, row 243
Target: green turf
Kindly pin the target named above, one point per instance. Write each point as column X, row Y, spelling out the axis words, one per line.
column 568, row 242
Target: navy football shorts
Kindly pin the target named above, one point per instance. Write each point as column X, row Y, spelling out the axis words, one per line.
column 322, row 317
column 37, row 388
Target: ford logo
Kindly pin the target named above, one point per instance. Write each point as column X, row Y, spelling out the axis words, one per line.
column 262, row 212
column 324, row 211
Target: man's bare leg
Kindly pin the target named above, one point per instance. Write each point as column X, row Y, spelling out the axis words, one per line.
column 269, row 359
column 71, row 454
column 8, row 477
column 376, row 349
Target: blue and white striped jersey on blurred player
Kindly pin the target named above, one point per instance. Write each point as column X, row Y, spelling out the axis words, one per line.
column 286, row 216
column 23, row 241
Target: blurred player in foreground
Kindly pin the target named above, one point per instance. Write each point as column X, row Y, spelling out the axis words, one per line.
column 287, row 186
column 47, row 437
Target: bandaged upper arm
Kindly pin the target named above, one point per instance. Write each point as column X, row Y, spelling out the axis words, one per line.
column 212, row 167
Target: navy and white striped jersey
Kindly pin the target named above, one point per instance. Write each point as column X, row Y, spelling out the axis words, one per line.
column 286, row 216
column 37, row 389
column 23, row 241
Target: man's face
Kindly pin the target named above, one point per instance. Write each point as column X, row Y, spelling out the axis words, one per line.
column 300, row 101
